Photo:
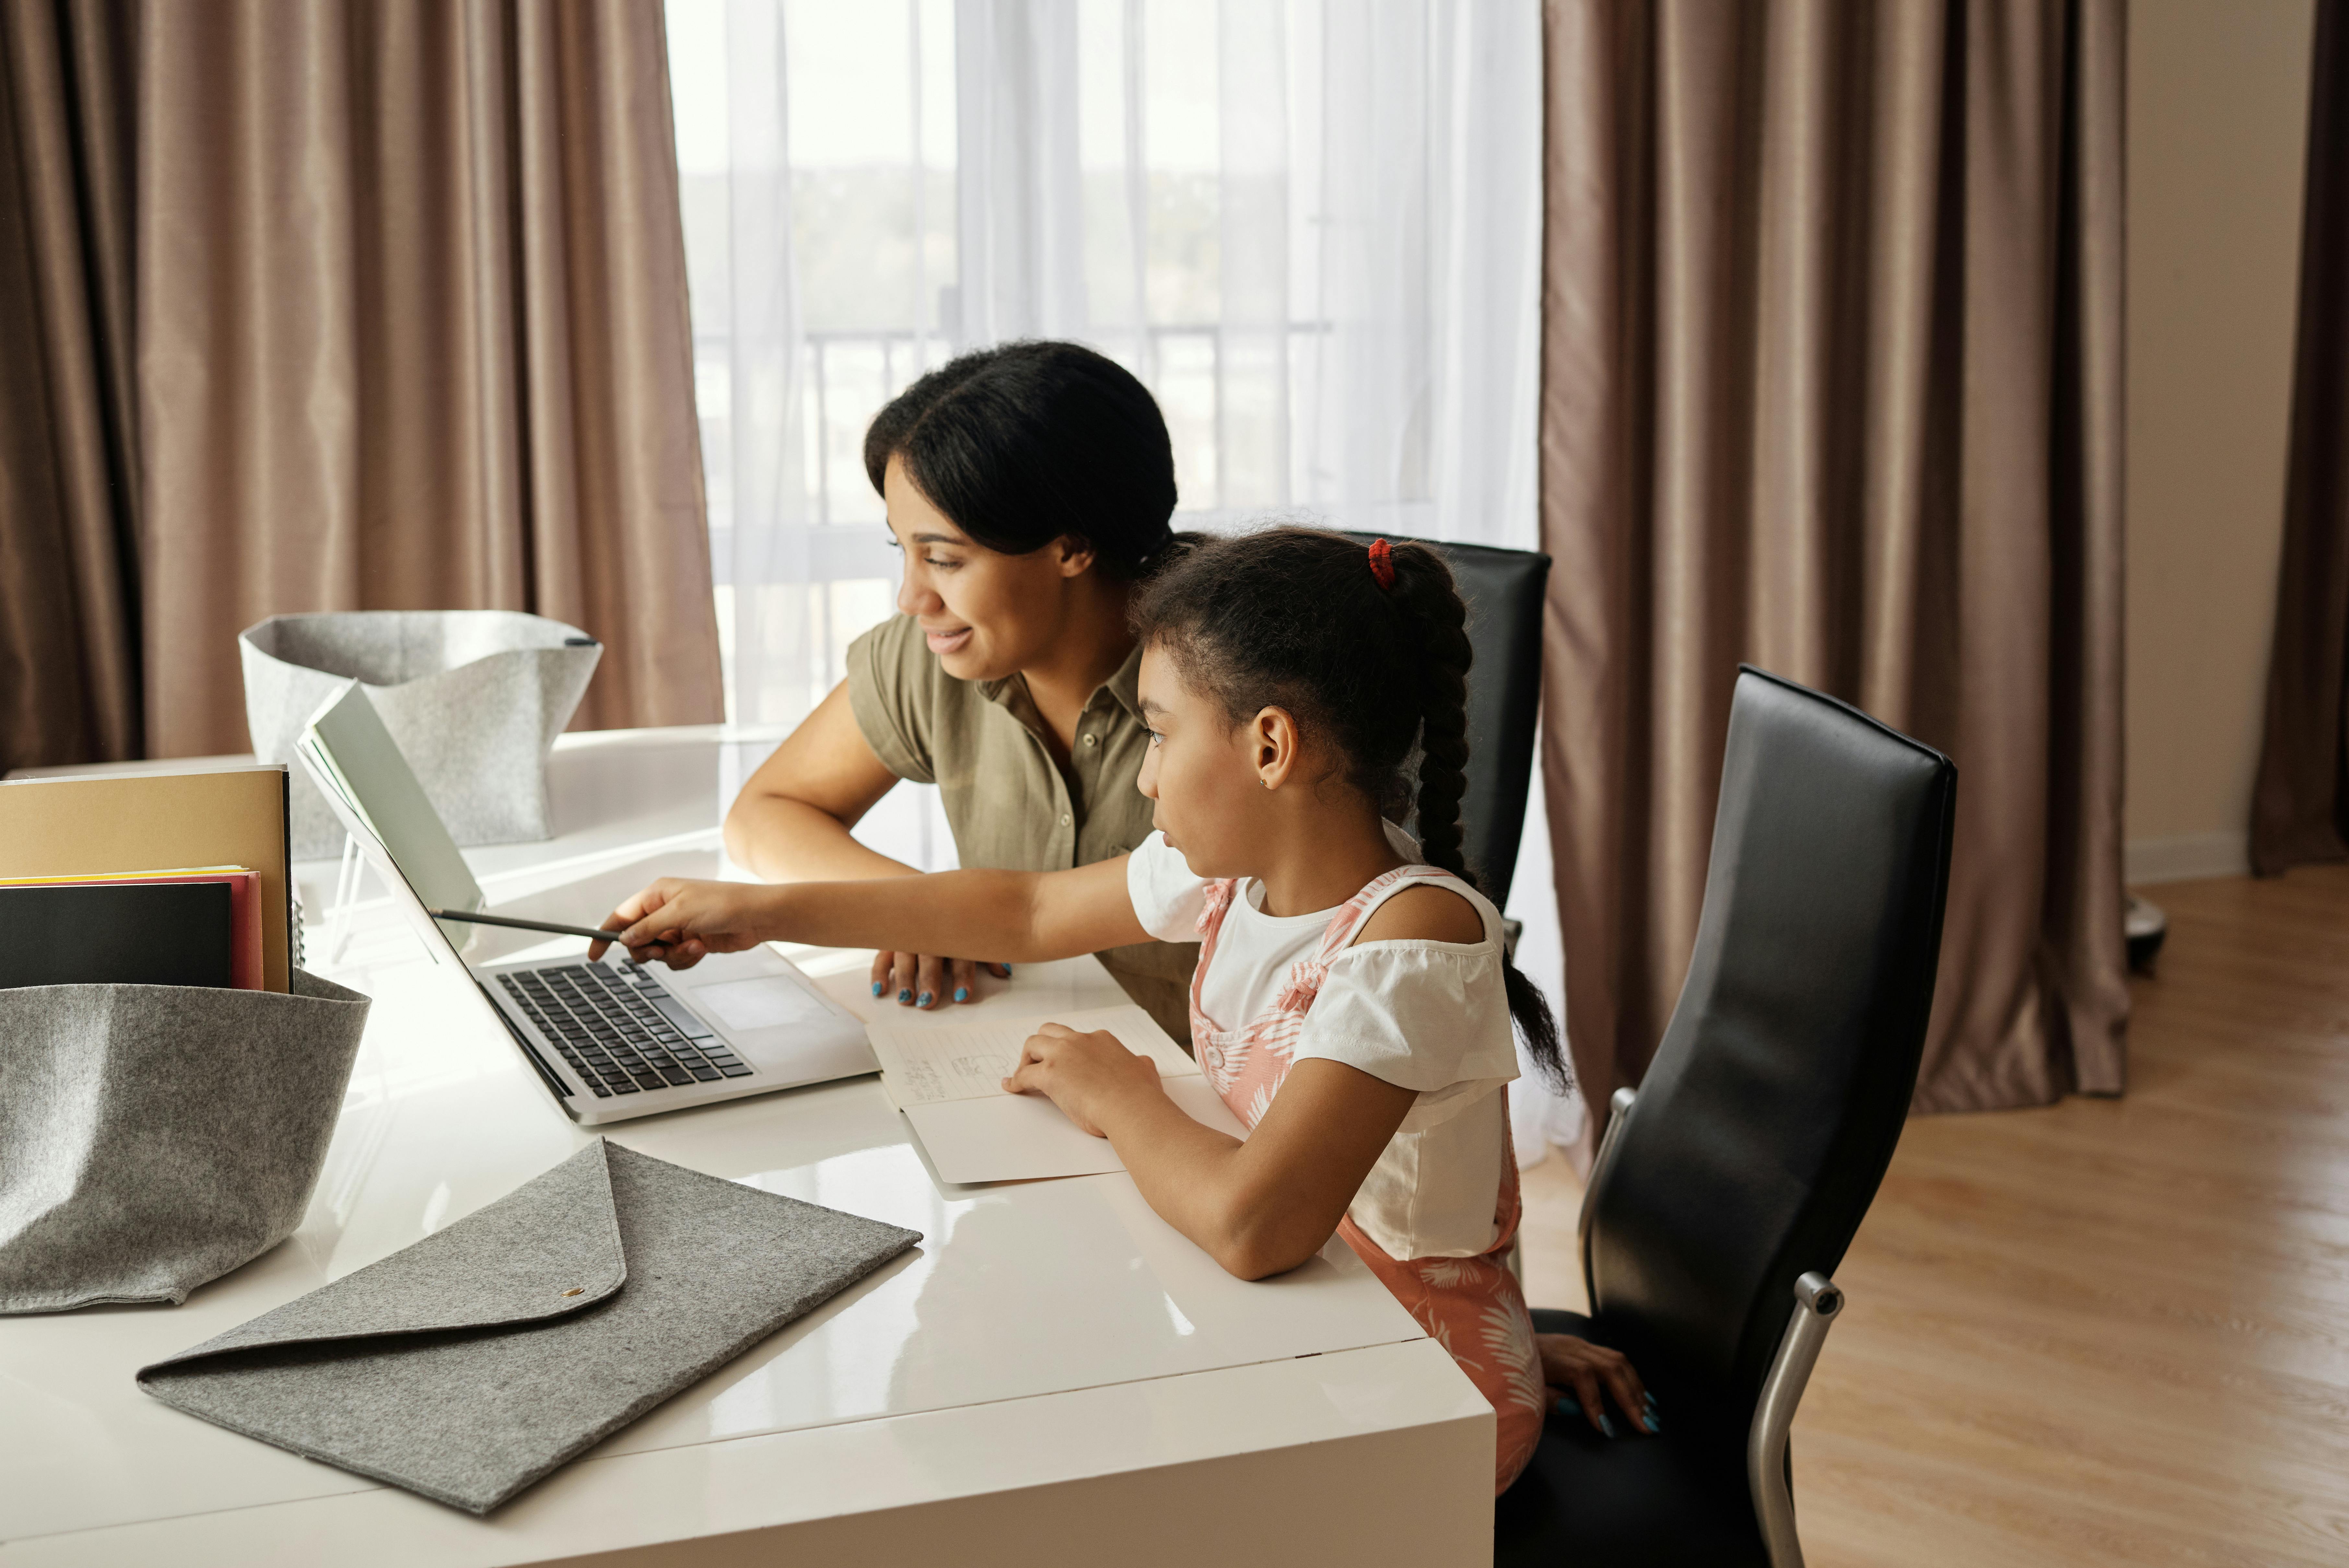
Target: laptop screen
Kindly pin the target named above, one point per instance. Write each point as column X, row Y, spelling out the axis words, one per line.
column 359, row 769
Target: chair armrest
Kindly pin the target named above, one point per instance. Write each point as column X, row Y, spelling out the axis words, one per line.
column 1817, row 1300
column 1619, row 1110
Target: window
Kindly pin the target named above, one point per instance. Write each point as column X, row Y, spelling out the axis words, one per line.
column 1273, row 213
column 1311, row 227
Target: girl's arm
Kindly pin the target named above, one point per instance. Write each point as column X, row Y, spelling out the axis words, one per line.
column 1263, row 1206
column 1259, row 1207
column 1023, row 917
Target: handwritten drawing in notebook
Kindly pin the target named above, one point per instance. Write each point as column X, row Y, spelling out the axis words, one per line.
column 936, row 1059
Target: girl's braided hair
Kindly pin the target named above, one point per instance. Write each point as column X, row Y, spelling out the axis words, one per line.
column 1295, row 619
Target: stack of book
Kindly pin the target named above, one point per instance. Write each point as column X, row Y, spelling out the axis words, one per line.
column 146, row 879
column 199, row 926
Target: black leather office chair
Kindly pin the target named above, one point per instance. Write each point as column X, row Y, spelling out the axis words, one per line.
column 1504, row 589
column 1727, row 1189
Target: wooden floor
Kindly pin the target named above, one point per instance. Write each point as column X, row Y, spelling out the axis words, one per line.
column 2109, row 1330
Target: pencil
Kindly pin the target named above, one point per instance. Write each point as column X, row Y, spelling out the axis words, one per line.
column 590, row 932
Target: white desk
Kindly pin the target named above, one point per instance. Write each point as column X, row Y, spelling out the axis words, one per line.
column 1055, row 1376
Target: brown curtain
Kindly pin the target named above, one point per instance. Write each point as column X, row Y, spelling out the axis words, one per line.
column 2299, row 805
column 69, row 668
column 409, row 282
column 1831, row 383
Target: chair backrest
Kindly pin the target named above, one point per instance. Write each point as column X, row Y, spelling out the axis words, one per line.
column 1765, row 1124
column 1504, row 589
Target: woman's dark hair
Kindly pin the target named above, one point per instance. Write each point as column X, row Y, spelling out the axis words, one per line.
column 1025, row 443
column 1295, row 619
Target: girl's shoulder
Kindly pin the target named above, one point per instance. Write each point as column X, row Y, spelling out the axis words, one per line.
column 1168, row 897
column 1428, row 911
column 1420, row 1000
column 1421, row 904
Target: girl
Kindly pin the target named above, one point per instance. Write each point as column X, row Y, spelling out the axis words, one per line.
column 1352, row 1003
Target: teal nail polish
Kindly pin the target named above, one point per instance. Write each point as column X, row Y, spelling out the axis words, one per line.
column 1648, row 1421
column 1605, row 1424
column 1007, row 971
column 962, row 993
column 905, row 995
column 876, row 988
column 924, row 1001
column 1569, row 1404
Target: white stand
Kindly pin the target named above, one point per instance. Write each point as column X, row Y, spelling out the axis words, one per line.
column 348, row 878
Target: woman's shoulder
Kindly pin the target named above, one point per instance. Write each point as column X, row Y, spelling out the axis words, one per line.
column 891, row 666
column 893, row 690
column 893, row 658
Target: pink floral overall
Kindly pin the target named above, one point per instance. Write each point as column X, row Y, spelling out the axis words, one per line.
column 1471, row 1306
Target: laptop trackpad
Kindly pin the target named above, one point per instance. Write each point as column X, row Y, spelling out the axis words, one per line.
column 763, row 1003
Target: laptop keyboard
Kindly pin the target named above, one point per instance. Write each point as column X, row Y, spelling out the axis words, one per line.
column 621, row 1032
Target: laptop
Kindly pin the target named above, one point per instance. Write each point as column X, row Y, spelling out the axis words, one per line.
column 610, row 1040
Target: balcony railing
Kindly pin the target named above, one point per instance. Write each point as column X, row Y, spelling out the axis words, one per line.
column 1189, row 366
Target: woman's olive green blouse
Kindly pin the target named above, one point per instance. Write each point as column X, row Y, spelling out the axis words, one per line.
column 1009, row 805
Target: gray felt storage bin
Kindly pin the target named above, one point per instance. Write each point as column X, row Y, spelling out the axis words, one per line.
column 473, row 698
column 155, row 1136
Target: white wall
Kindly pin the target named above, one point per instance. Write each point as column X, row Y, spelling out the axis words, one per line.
column 2217, row 108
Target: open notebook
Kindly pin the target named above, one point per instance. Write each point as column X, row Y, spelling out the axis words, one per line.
column 944, row 1071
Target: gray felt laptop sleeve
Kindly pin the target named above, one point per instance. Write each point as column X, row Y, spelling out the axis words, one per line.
column 477, row 1361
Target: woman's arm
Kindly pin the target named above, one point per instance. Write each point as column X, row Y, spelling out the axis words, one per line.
column 1026, row 916
column 791, row 821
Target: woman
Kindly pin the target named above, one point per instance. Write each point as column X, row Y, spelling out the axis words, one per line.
column 1029, row 487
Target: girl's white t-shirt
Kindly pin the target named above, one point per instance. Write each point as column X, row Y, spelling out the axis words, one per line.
column 1424, row 1015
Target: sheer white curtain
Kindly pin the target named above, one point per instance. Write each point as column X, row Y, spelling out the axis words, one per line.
column 1310, row 226
column 1312, row 229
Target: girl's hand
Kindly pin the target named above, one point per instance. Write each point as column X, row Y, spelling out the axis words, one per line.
column 1588, row 1373
column 681, row 922
column 1081, row 1074
column 918, row 980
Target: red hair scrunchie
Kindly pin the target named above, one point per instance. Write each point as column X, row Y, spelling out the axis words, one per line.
column 1383, row 564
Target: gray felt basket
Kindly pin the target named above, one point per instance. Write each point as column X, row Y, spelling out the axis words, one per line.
column 473, row 698
column 155, row 1136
